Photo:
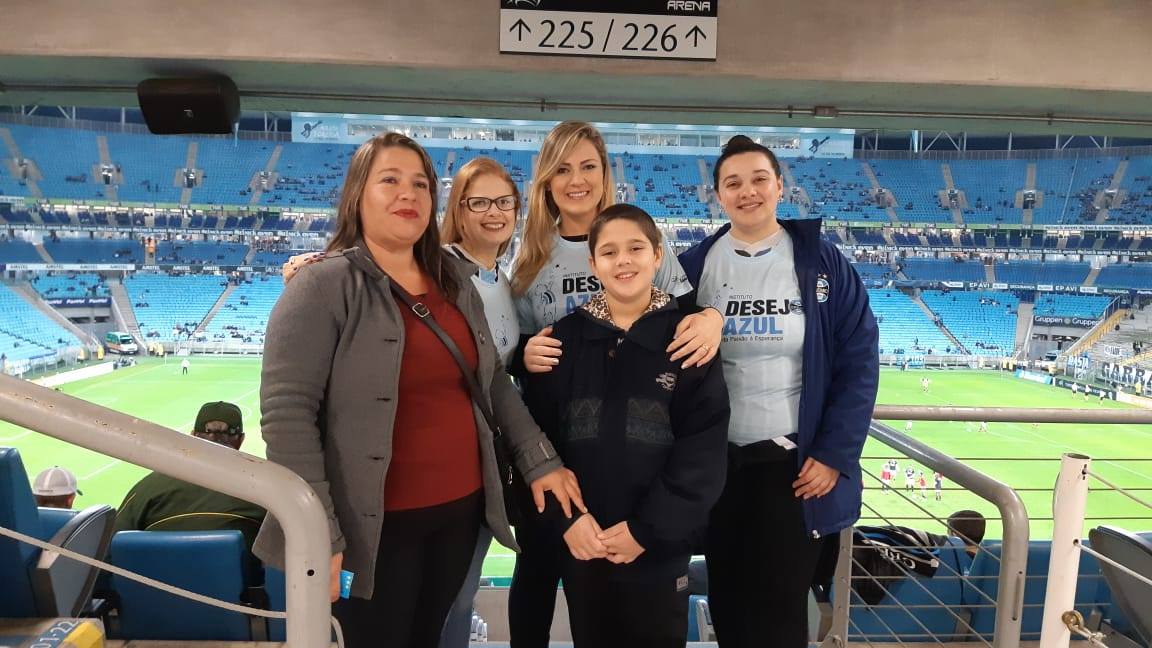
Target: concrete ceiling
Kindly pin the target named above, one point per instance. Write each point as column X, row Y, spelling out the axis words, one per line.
column 615, row 97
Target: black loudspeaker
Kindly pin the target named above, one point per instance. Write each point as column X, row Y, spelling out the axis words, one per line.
column 207, row 106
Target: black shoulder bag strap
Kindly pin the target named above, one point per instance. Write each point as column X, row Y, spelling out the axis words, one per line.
column 425, row 315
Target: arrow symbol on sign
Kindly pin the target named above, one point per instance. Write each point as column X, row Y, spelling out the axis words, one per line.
column 696, row 34
column 520, row 27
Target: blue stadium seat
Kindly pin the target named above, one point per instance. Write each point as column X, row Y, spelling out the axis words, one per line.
column 1131, row 598
column 213, row 563
column 38, row 584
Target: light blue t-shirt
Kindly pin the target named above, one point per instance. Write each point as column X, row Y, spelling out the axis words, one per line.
column 566, row 283
column 763, row 338
column 499, row 309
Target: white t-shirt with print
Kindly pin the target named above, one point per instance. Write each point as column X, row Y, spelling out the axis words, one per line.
column 763, row 339
column 566, row 283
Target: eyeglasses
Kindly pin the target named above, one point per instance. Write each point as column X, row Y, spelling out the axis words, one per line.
column 480, row 204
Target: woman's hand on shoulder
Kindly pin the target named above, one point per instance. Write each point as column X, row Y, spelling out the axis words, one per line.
column 697, row 338
column 542, row 352
column 295, row 263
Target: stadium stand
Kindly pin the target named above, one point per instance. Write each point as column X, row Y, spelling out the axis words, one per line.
column 95, row 250
column 1069, row 188
column 983, row 321
column 12, row 251
column 904, row 326
column 229, row 166
column 150, row 166
column 1061, row 305
column 1033, row 272
column 942, row 269
column 27, row 333
column 874, row 274
column 201, row 253
column 170, row 307
column 70, row 285
column 914, row 185
column 1125, row 275
column 1136, row 207
column 664, row 184
column 838, row 189
column 244, row 316
column 309, row 175
column 990, row 187
column 65, row 158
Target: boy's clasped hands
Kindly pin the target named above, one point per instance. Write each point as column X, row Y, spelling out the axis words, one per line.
column 587, row 541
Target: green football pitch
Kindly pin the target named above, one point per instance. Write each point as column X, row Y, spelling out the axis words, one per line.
column 1024, row 456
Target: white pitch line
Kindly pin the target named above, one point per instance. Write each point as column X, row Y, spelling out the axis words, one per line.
column 16, row 438
column 1044, row 440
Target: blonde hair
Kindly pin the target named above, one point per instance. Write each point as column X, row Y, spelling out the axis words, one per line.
column 452, row 227
column 429, row 255
column 540, row 226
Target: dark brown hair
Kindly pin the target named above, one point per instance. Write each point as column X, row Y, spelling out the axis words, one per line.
column 430, row 257
column 742, row 144
column 624, row 211
column 967, row 525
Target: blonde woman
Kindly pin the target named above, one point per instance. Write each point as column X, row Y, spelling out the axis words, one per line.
column 552, row 278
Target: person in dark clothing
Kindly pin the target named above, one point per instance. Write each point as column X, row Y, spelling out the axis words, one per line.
column 162, row 503
column 646, row 438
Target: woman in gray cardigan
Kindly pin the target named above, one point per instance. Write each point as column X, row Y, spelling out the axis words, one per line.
column 366, row 404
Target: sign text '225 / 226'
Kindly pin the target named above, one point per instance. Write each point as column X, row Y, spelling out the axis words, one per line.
column 603, row 34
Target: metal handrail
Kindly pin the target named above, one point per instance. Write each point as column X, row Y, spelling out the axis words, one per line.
column 279, row 490
column 1014, row 554
column 1010, row 414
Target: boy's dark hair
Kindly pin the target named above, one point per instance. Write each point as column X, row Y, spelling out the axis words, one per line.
column 737, row 145
column 624, row 211
column 967, row 525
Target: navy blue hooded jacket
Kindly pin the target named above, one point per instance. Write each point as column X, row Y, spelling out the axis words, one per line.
column 841, row 367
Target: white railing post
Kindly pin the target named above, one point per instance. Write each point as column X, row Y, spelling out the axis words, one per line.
column 1068, row 504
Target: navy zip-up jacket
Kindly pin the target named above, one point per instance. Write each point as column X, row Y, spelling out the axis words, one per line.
column 647, row 439
column 841, row 367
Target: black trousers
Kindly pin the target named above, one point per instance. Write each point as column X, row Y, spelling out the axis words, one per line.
column 423, row 558
column 761, row 560
column 611, row 614
column 532, row 597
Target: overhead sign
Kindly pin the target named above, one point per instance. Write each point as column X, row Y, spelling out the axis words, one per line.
column 671, row 29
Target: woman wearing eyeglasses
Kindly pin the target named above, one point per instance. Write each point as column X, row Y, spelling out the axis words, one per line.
column 478, row 223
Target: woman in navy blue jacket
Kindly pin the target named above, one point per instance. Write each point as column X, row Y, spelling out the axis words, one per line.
column 801, row 362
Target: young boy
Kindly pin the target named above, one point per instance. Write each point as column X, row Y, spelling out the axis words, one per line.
column 646, row 438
